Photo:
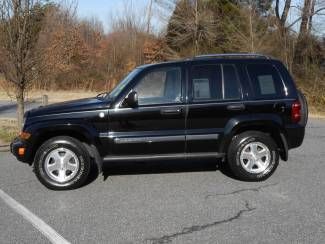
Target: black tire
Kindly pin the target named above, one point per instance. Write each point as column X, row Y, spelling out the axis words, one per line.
column 239, row 143
column 73, row 145
column 304, row 108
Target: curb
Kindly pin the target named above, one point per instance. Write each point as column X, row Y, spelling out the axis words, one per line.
column 4, row 148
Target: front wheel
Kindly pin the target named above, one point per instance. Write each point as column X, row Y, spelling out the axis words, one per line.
column 62, row 163
column 253, row 156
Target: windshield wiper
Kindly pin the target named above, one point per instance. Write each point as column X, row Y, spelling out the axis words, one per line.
column 102, row 95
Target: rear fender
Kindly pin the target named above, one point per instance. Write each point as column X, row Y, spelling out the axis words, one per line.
column 269, row 123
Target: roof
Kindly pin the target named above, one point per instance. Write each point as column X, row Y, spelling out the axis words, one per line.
column 237, row 56
column 233, row 56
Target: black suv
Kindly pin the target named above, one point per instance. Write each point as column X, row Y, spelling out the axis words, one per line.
column 243, row 108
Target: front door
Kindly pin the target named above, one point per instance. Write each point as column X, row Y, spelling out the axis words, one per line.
column 157, row 124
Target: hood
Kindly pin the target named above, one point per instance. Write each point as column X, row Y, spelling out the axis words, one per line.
column 70, row 106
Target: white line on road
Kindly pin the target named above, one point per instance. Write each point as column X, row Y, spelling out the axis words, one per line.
column 38, row 223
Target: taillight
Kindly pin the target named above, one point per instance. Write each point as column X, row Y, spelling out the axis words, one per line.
column 296, row 112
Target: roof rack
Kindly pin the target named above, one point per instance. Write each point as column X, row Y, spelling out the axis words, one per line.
column 233, row 55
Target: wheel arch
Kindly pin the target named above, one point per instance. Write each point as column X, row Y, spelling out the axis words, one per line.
column 79, row 132
column 271, row 127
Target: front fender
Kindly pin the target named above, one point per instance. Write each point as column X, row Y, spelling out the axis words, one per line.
column 58, row 127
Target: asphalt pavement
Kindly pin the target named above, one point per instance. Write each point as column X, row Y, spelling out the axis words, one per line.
column 8, row 108
column 174, row 202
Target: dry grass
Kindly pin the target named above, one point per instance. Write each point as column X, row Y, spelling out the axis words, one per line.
column 8, row 130
column 314, row 91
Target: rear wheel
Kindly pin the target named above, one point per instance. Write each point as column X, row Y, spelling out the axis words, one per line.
column 62, row 163
column 253, row 156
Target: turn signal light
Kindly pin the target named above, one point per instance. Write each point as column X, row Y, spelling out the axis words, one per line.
column 24, row 135
column 21, row 151
column 296, row 112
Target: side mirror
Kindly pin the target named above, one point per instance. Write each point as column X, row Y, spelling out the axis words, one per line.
column 131, row 100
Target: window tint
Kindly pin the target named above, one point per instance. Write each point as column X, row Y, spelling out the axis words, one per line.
column 231, row 82
column 265, row 80
column 207, row 82
column 160, row 86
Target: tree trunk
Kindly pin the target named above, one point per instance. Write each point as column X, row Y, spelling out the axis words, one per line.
column 305, row 18
column 20, row 107
column 196, row 44
column 282, row 19
column 310, row 21
column 252, row 45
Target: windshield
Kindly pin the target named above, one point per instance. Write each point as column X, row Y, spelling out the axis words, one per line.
column 120, row 86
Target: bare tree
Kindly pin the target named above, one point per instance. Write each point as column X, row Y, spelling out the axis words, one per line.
column 19, row 28
column 306, row 15
column 149, row 16
column 282, row 18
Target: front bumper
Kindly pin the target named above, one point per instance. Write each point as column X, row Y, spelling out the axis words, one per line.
column 14, row 148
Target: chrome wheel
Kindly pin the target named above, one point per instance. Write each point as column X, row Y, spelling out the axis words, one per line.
column 255, row 157
column 61, row 165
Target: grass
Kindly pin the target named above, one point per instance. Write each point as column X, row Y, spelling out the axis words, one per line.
column 8, row 130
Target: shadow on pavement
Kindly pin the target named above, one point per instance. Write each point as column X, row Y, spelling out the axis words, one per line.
column 161, row 167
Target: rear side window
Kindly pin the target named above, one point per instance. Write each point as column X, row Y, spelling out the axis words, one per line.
column 207, row 82
column 215, row 82
column 265, row 80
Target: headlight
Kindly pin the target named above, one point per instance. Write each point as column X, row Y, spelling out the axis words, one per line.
column 24, row 135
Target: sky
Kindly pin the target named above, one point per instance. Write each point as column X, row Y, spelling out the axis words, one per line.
column 103, row 8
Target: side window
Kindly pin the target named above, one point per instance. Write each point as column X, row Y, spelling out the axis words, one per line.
column 265, row 80
column 160, row 86
column 206, row 82
column 215, row 82
column 231, row 83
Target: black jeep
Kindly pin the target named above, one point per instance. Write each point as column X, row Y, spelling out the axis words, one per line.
column 243, row 108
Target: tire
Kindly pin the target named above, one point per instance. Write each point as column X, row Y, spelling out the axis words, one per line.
column 247, row 167
column 62, row 163
column 304, row 108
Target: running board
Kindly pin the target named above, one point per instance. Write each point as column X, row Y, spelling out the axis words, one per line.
column 150, row 157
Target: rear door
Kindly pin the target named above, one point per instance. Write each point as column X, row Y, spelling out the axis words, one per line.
column 215, row 96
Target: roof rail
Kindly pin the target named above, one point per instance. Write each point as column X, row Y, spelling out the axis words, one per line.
column 233, row 55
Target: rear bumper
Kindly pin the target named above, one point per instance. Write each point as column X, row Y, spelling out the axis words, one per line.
column 14, row 147
column 295, row 136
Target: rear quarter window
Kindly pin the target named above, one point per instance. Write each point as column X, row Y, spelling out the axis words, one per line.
column 265, row 80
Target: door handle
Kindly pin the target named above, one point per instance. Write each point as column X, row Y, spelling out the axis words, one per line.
column 280, row 107
column 236, row 107
column 171, row 111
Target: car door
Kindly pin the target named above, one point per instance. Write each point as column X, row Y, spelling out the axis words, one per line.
column 157, row 124
column 215, row 97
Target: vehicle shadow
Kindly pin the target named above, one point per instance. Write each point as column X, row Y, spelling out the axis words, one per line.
column 160, row 167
